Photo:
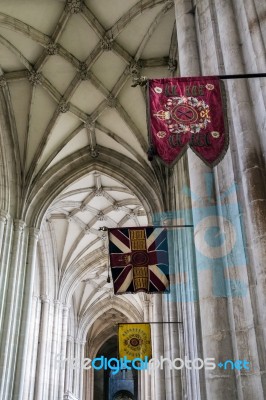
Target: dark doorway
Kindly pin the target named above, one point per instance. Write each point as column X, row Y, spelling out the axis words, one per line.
column 110, row 386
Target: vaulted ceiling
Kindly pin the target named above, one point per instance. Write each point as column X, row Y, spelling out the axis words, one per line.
column 66, row 72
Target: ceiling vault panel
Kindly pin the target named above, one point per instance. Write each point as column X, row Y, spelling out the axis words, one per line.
column 66, row 71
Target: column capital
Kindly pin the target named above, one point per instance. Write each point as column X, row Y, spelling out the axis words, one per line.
column 19, row 225
column 34, row 232
column 65, row 307
column 4, row 216
column 45, row 299
column 80, row 341
column 3, row 82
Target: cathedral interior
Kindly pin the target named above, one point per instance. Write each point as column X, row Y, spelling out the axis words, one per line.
column 73, row 161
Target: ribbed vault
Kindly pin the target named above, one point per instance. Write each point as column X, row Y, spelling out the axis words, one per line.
column 80, row 139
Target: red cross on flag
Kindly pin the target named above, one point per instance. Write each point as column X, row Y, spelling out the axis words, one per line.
column 139, row 259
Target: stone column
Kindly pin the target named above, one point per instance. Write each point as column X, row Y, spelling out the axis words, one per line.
column 175, row 330
column 216, row 338
column 157, row 330
column 5, row 235
column 167, row 352
column 82, row 371
column 249, row 21
column 176, row 299
column 90, row 384
column 3, row 220
column 48, row 352
column 63, row 351
column 146, row 388
column 69, row 370
column 42, row 350
column 248, row 156
column 32, row 353
column 12, row 311
column 26, row 328
column 86, row 391
column 151, row 377
column 54, row 370
column 241, row 315
column 251, row 175
column 78, row 371
column 141, row 385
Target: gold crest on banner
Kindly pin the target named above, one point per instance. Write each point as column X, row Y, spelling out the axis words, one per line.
column 134, row 341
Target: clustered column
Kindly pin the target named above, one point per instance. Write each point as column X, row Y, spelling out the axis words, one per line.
column 216, row 338
column 12, row 315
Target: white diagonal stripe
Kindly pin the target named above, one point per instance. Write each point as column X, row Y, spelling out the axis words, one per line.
column 160, row 275
column 119, row 244
column 153, row 236
column 126, row 282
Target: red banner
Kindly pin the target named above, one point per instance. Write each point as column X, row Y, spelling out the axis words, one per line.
column 187, row 112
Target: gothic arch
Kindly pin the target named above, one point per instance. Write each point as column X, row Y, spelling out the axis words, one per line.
column 9, row 165
column 102, row 307
column 142, row 181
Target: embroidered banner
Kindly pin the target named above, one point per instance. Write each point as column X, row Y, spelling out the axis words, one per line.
column 139, row 259
column 188, row 112
column 134, row 341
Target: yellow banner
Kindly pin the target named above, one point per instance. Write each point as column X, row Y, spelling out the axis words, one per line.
column 134, row 341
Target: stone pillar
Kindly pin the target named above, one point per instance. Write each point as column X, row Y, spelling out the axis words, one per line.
column 141, row 385
column 249, row 21
column 248, row 144
column 175, row 330
column 216, row 338
column 90, row 385
column 183, row 297
column 32, row 353
column 26, row 328
column 63, row 351
column 3, row 220
column 54, row 370
column 5, row 235
column 12, row 311
column 151, row 375
column 82, row 353
column 167, row 352
column 157, row 330
column 88, row 378
column 241, row 316
column 40, row 384
column 78, row 372
column 248, row 158
column 146, row 389
column 69, row 370
column 178, row 303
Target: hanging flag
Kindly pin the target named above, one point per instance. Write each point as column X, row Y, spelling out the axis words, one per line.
column 188, row 112
column 134, row 341
column 139, row 259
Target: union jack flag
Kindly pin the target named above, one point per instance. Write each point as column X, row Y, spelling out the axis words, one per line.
column 139, row 259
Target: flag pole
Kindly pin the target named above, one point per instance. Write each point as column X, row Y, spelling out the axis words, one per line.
column 105, row 228
column 242, row 76
column 140, row 323
column 142, row 81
